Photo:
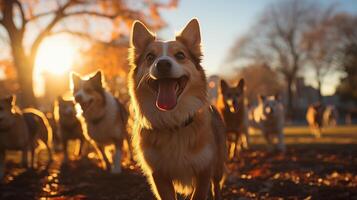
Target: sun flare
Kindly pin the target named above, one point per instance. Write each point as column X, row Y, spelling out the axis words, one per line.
column 55, row 55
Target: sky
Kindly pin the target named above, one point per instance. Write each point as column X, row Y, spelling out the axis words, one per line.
column 222, row 22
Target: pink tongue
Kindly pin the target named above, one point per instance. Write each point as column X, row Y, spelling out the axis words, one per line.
column 166, row 97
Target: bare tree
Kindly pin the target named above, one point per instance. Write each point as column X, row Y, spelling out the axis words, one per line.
column 16, row 16
column 322, row 43
column 260, row 80
column 276, row 40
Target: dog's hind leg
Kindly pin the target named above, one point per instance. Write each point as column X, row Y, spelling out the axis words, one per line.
column 281, row 142
column 65, row 150
column 81, row 146
column 33, row 155
column 24, row 160
column 104, row 157
column 269, row 140
column 49, row 151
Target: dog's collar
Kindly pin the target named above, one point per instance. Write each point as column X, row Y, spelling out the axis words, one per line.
column 186, row 123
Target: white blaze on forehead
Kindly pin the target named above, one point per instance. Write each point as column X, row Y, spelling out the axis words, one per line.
column 165, row 47
column 176, row 70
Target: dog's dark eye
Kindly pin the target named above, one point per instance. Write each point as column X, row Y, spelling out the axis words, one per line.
column 150, row 57
column 180, row 55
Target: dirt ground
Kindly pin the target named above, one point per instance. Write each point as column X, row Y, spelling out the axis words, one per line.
column 311, row 168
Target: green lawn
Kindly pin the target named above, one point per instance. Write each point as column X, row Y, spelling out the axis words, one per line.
column 303, row 135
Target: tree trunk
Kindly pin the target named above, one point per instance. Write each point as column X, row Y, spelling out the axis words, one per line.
column 319, row 85
column 25, row 77
column 24, row 67
column 290, row 99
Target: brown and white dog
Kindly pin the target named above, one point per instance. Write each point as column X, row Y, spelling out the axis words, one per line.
column 268, row 116
column 235, row 114
column 69, row 126
column 179, row 138
column 106, row 118
column 22, row 131
column 314, row 117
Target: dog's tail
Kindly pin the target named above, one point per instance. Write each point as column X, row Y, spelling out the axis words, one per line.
column 39, row 127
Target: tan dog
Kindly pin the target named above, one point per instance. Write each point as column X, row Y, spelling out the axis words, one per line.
column 22, row 131
column 69, row 125
column 105, row 116
column 314, row 117
column 179, row 138
column 235, row 114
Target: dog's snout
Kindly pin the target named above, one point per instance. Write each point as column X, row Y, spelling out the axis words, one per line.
column 78, row 98
column 163, row 67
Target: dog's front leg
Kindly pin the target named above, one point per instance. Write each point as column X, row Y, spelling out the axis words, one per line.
column 164, row 187
column 104, row 157
column 202, row 185
column 281, row 144
column 117, row 159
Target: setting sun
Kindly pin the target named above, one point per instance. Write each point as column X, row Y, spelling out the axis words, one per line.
column 55, row 55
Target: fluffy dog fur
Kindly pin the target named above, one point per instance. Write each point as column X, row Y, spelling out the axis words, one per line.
column 314, row 117
column 268, row 116
column 70, row 127
column 22, row 131
column 106, row 118
column 179, row 145
column 235, row 114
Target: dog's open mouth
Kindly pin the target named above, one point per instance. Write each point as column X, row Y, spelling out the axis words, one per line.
column 168, row 90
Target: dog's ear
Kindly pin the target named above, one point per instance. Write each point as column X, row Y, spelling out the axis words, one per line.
column 96, row 80
column 261, row 98
column 241, row 84
column 277, row 97
column 10, row 100
column 224, row 86
column 190, row 35
column 59, row 99
column 140, row 36
column 76, row 79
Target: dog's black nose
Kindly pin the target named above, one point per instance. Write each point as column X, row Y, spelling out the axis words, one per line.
column 78, row 98
column 163, row 67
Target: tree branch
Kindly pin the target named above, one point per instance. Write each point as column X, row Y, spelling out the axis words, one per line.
column 35, row 17
column 91, row 13
column 75, row 33
column 59, row 14
column 22, row 14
